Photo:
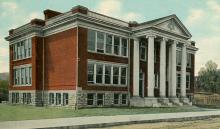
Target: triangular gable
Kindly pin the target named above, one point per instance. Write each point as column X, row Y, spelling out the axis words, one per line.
column 172, row 24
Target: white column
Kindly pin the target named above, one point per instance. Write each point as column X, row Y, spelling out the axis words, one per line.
column 183, row 72
column 173, row 69
column 136, row 64
column 150, row 66
column 163, row 67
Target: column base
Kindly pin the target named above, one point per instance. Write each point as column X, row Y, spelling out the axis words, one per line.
column 175, row 101
column 185, row 101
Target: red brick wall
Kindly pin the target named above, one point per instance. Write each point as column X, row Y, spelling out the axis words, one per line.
column 82, row 66
column 61, row 60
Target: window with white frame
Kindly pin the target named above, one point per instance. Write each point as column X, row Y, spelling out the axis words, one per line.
column 187, row 80
column 124, row 99
column 108, row 46
column 124, row 47
column 116, row 75
column 51, row 98
column 116, row 98
column 99, row 73
column 100, row 42
column 28, row 98
column 91, row 72
column 90, row 98
column 123, row 75
column 58, row 98
column 22, row 49
column 143, row 50
column 178, row 82
column 178, row 57
column 100, row 99
column 116, row 45
column 65, row 99
column 107, row 43
column 22, row 75
column 91, row 40
column 188, row 63
column 106, row 73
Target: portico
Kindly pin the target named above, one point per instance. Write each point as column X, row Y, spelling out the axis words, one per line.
column 168, row 36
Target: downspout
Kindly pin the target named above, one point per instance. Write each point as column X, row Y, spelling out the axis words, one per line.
column 43, row 88
column 76, row 102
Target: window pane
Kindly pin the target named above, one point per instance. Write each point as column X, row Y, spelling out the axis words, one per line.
column 123, row 75
column 124, row 99
column 115, row 75
column 109, row 44
column 100, row 99
column 99, row 73
column 124, row 47
column 107, row 74
column 116, row 45
column 116, row 98
column 91, row 40
column 90, row 99
column 100, row 42
column 90, row 73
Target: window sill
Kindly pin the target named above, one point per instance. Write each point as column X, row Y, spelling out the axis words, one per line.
column 107, row 54
column 22, row 85
column 107, row 85
column 22, row 59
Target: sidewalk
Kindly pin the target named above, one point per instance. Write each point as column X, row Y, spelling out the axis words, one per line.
column 101, row 121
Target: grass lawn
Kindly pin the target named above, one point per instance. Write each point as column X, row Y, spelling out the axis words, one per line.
column 21, row 112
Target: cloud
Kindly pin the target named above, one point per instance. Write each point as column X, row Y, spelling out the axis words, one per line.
column 114, row 8
column 195, row 16
column 214, row 5
column 4, row 52
column 9, row 5
column 4, row 66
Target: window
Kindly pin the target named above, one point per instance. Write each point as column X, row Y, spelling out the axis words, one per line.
column 188, row 60
column 22, row 49
column 124, row 47
column 116, row 98
column 29, row 48
column 141, row 84
column 188, row 81
column 91, row 40
column 178, row 80
column 143, row 48
column 108, row 46
column 178, row 57
column 28, row 98
column 24, row 98
column 30, row 75
column 115, row 75
column 155, row 55
column 90, row 99
column 22, row 75
column 13, row 98
column 116, row 45
column 124, row 99
column 16, row 97
column 123, row 75
column 58, row 98
column 99, row 73
column 51, row 98
column 100, row 42
column 156, row 80
column 91, row 73
column 100, row 99
column 65, row 99
column 107, row 74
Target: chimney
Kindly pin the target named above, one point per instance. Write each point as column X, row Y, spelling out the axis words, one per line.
column 37, row 22
column 50, row 13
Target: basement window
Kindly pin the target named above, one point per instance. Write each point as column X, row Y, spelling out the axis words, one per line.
column 124, row 99
column 58, row 98
column 90, row 98
column 65, row 99
column 100, row 99
column 116, row 98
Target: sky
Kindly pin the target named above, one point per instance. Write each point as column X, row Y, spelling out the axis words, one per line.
column 201, row 18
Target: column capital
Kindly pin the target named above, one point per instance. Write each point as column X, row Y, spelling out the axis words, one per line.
column 164, row 39
column 135, row 38
column 151, row 35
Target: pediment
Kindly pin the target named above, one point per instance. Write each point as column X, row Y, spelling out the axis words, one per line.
column 173, row 25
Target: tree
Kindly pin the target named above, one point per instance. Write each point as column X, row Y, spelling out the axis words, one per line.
column 4, row 90
column 209, row 77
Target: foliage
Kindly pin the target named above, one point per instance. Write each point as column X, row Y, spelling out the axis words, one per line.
column 209, row 77
column 4, row 90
